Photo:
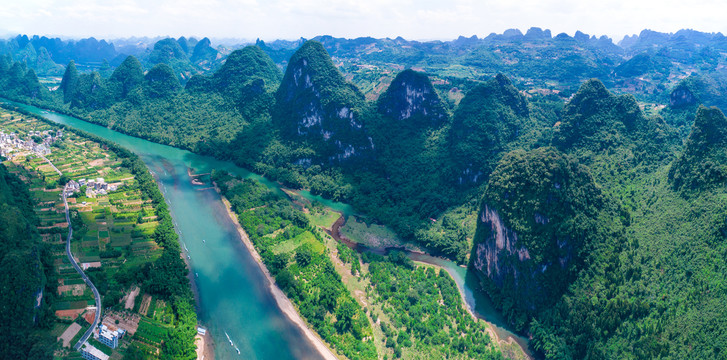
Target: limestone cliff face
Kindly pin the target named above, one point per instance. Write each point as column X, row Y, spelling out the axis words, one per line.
column 540, row 213
column 507, row 263
column 490, row 260
column 317, row 105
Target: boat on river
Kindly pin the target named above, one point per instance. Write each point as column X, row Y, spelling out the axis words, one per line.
column 230, row 340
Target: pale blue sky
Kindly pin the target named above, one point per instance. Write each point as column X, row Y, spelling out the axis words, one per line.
column 290, row 19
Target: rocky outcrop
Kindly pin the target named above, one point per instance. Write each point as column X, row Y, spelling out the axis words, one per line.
column 507, row 263
column 315, row 104
column 695, row 90
column 489, row 260
column 540, row 213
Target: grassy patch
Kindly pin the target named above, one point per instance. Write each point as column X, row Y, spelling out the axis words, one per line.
column 150, row 332
column 325, row 218
column 46, row 196
column 369, row 234
column 304, row 238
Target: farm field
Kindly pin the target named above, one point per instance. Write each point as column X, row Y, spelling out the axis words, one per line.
column 113, row 230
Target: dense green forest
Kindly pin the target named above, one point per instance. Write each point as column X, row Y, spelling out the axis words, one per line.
column 542, row 217
column 25, row 275
column 601, row 216
column 413, row 318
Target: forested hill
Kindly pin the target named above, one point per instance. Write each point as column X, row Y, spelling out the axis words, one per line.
column 317, row 105
column 627, row 287
column 597, row 124
column 47, row 56
column 701, row 166
column 594, row 228
column 646, row 65
column 542, row 217
column 488, row 120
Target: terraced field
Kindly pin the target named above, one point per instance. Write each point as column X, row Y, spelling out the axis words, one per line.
column 113, row 232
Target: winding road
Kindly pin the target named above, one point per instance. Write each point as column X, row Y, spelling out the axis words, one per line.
column 85, row 278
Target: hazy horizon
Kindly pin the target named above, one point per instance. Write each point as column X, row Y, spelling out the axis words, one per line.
column 289, row 20
column 238, row 40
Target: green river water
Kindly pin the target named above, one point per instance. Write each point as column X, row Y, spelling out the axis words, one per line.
column 234, row 297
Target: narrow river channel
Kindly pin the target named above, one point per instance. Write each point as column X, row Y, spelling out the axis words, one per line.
column 234, row 297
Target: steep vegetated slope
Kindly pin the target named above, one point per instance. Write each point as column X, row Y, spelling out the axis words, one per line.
column 488, row 119
column 247, row 80
column 633, row 292
column 125, row 78
column 408, row 128
column 185, row 61
column 612, row 136
column 19, row 81
column 22, row 275
column 317, row 106
column 702, row 164
column 596, row 122
column 408, row 180
column 542, row 214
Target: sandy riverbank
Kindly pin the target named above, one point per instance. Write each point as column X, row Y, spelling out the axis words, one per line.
column 283, row 302
column 205, row 348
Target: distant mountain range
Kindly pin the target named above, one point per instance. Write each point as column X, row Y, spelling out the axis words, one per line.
column 536, row 59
